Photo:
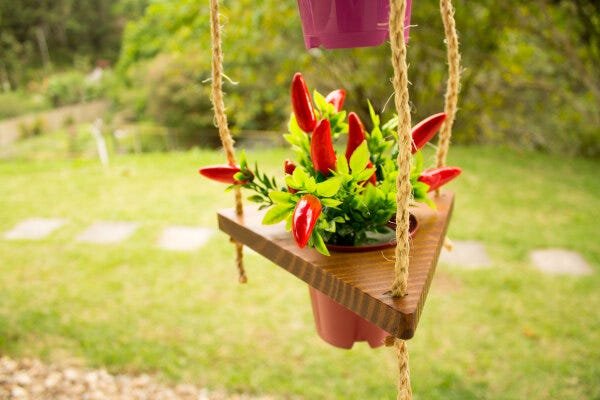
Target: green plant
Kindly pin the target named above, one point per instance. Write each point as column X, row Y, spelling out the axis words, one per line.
column 13, row 104
column 330, row 198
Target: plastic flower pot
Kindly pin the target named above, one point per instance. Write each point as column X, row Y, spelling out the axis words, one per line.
column 385, row 240
column 336, row 24
column 336, row 324
column 341, row 327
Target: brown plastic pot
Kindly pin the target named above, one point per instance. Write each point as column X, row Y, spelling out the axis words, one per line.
column 380, row 245
column 341, row 327
column 336, row 324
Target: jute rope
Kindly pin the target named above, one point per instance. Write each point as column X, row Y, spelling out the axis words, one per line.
column 400, row 83
column 453, row 84
column 221, row 119
column 404, row 388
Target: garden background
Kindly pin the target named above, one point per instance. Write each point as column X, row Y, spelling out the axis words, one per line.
column 527, row 136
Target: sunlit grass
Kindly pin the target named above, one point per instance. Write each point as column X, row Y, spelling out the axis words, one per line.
column 507, row 332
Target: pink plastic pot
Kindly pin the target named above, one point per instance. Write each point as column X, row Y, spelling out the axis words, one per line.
column 336, row 24
column 341, row 327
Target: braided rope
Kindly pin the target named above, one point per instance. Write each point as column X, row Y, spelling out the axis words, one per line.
column 221, row 119
column 404, row 389
column 400, row 83
column 453, row 84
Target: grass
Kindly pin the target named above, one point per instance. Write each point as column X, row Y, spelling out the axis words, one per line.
column 507, row 332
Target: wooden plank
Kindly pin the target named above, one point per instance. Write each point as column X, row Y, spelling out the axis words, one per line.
column 359, row 281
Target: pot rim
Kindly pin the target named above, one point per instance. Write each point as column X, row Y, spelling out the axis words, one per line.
column 414, row 227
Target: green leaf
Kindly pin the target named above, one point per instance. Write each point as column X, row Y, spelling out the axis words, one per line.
column 289, row 180
column 293, row 126
column 256, row 198
column 330, row 187
column 239, row 176
column 280, row 197
column 359, row 159
column 342, row 165
column 243, row 160
column 374, row 116
column 364, row 175
column 391, row 125
column 320, row 101
column 300, row 176
column 330, row 203
column 310, row 185
column 319, row 244
column 277, row 213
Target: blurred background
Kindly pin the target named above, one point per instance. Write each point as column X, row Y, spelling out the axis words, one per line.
column 530, row 70
column 105, row 115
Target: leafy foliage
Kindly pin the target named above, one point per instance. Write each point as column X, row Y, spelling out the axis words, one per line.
column 520, row 60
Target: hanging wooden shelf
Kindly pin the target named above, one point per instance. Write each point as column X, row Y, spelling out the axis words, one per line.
column 358, row 281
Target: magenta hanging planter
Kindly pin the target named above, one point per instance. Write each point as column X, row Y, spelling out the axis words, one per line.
column 341, row 327
column 336, row 24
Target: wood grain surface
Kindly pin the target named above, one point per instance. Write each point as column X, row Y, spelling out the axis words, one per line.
column 359, row 281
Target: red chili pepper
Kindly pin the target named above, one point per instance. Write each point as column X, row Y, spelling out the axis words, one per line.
column 438, row 177
column 289, row 167
column 425, row 130
column 302, row 105
column 321, row 148
column 306, row 214
column 356, row 134
column 223, row 173
column 336, row 98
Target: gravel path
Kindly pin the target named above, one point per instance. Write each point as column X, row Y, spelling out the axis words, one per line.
column 32, row 380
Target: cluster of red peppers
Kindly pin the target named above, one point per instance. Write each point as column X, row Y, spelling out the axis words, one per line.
column 308, row 207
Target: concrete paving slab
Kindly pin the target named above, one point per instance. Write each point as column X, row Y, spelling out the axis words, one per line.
column 466, row 254
column 560, row 262
column 34, row 228
column 108, row 232
column 184, row 238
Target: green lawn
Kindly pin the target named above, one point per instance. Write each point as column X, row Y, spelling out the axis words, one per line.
column 507, row 332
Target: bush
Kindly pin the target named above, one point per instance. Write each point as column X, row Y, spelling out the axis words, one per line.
column 13, row 104
column 178, row 99
column 74, row 87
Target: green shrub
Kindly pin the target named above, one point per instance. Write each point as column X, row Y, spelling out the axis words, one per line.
column 13, row 104
column 74, row 87
column 178, row 99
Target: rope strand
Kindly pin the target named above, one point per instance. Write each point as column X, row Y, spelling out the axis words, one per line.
column 404, row 190
column 221, row 119
column 453, row 84
column 400, row 82
column 404, row 388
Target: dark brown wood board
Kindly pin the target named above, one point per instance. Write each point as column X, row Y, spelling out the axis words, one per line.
column 359, row 281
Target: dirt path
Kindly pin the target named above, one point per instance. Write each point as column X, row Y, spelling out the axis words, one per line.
column 32, row 380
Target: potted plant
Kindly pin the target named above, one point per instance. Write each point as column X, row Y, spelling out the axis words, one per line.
column 347, row 23
column 338, row 200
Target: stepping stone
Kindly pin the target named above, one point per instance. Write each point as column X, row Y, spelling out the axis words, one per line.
column 34, row 228
column 107, row 232
column 560, row 262
column 466, row 254
column 184, row 238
